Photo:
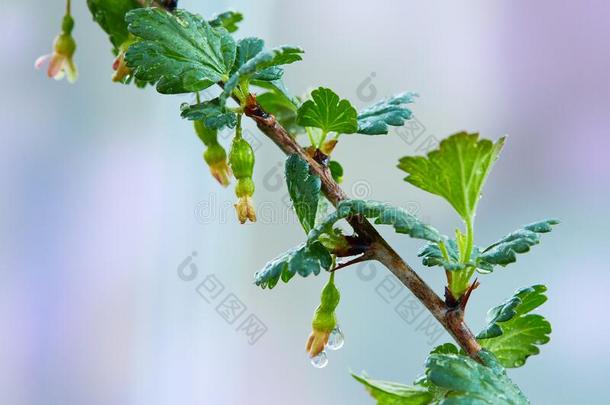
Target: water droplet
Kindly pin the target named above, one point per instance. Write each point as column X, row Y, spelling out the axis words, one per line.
column 184, row 106
column 319, row 361
column 336, row 339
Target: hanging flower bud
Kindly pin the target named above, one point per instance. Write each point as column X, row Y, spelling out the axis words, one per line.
column 60, row 61
column 215, row 155
column 241, row 159
column 121, row 70
column 324, row 320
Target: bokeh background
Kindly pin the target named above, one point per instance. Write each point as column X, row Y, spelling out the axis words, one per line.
column 105, row 194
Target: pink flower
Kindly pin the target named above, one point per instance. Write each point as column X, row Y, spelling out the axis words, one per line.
column 61, row 60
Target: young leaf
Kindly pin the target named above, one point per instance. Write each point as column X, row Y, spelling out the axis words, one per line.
column 304, row 259
column 181, row 52
column 212, row 113
column 390, row 393
column 282, row 108
column 327, row 112
column 512, row 332
column 467, row 382
column 432, row 255
column 248, row 48
column 505, row 250
column 227, row 20
column 445, row 348
column 110, row 15
column 384, row 214
column 375, row 119
column 304, row 190
column 456, row 171
column 259, row 64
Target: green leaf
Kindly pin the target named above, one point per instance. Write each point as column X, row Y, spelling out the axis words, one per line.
column 468, row 382
column 445, row 348
column 248, row 48
column 432, row 255
column 181, row 52
column 375, row 119
column 110, row 15
column 227, row 20
column 456, row 171
column 259, row 64
column 304, row 259
column 278, row 88
column 390, row 393
column 280, row 107
column 505, row 250
column 327, row 112
column 512, row 333
column 304, row 190
column 212, row 113
column 336, row 170
column 384, row 214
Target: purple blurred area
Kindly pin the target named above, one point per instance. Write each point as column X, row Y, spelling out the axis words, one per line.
column 106, row 195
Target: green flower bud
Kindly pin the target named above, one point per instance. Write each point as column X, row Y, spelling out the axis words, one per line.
column 207, row 135
column 65, row 45
column 244, row 188
column 215, row 155
column 324, row 319
column 241, row 158
column 67, row 24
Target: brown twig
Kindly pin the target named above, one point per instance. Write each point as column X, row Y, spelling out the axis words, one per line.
column 452, row 319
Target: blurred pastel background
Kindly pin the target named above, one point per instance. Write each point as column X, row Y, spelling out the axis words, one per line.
column 105, row 194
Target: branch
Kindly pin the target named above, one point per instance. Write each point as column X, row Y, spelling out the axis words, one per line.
column 452, row 319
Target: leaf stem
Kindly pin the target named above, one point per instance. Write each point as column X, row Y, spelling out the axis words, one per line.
column 322, row 139
column 310, row 136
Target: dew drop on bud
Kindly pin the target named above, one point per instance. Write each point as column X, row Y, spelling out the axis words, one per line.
column 320, row 360
column 336, row 339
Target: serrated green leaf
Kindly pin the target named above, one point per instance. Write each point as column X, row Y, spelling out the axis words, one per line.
column 212, row 113
column 432, row 255
column 326, row 111
column 248, row 48
column 304, row 260
column 384, row 214
column 110, row 15
column 304, row 190
column 259, row 64
column 376, row 119
column 227, row 20
column 456, row 171
column 390, row 393
column 512, row 333
column 181, row 52
column 445, row 348
column 467, row 382
column 505, row 250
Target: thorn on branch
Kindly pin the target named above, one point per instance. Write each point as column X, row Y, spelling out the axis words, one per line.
column 461, row 302
column 362, row 258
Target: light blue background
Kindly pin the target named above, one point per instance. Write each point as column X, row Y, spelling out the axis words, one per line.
column 104, row 194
